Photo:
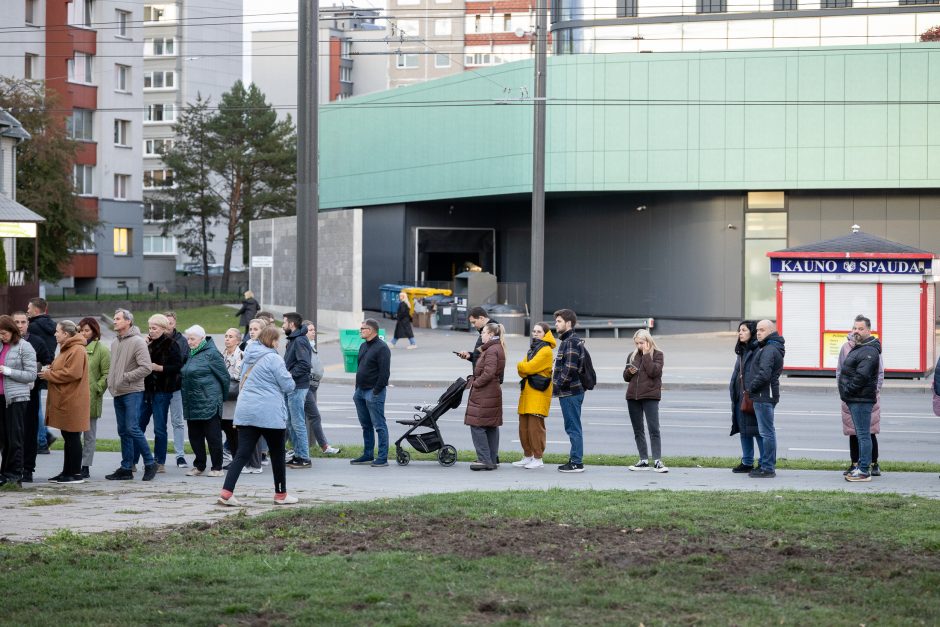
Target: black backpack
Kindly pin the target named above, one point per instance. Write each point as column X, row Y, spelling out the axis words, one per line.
column 586, row 372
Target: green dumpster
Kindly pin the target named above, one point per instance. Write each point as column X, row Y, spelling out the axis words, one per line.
column 349, row 342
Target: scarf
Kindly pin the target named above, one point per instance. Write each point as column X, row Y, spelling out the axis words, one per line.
column 193, row 351
column 534, row 348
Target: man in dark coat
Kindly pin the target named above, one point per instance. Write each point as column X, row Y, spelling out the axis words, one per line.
column 176, row 401
column 297, row 361
column 31, row 422
column 372, row 374
column 403, row 322
column 478, row 319
column 858, row 388
column 42, row 330
column 762, row 381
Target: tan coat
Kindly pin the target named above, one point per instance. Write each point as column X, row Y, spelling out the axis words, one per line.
column 69, row 401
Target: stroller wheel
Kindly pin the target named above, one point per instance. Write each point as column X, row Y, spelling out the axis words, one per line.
column 447, row 455
column 402, row 457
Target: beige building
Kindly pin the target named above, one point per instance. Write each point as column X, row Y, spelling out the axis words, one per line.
column 426, row 40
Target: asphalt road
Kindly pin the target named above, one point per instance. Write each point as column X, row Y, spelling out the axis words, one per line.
column 693, row 422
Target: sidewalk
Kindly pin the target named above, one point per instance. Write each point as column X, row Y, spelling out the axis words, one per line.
column 42, row 508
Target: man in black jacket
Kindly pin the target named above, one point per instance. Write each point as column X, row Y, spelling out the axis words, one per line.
column 42, row 330
column 297, row 360
column 762, row 381
column 478, row 319
column 176, row 401
column 372, row 376
column 858, row 388
column 31, row 421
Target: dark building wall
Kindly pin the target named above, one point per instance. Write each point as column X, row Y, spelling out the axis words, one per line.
column 383, row 250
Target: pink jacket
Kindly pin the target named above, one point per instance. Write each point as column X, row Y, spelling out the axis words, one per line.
column 848, row 428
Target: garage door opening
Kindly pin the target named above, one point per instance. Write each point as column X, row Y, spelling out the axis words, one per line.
column 442, row 253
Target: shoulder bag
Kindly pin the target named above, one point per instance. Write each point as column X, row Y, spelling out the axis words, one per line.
column 747, row 405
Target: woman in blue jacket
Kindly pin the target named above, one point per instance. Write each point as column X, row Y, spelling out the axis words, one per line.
column 261, row 412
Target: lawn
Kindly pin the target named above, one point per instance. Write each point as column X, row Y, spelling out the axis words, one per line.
column 551, row 558
column 215, row 319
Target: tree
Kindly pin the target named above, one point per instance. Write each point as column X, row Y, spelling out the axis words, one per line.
column 193, row 200
column 931, row 34
column 44, row 178
column 255, row 156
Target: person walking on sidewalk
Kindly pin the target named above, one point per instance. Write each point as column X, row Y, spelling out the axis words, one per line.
column 17, row 374
column 176, row 400
column 566, row 385
column 478, row 319
column 535, row 398
column 130, row 365
column 858, row 388
column 485, row 404
column 69, row 402
column 372, row 373
column 261, row 412
column 403, row 322
column 744, row 423
column 31, row 421
column 644, row 376
column 311, row 411
column 848, row 428
column 762, row 381
column 166, row 361
column 249, row 309
column 297, row 361
column 205, row 384
column 99, row 363
column 42, row 329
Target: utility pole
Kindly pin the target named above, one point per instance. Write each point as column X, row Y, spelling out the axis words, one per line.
column 308, row 177
column 537, row 271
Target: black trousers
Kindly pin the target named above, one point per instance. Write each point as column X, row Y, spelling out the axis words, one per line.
column 247, row 442
column 231, row 435
column 202, row 432
column 72, row 463
column 31, row 431
column 11, row 438
column 854, row 452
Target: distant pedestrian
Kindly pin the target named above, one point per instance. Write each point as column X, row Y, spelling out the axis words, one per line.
column 848, row 428
column 17, row 374
column 762, row 381
column 166, row 363
column 403, row 322
column 372, row 373
column 69, row 398
column 248, row 311
column 858, row 388
column 176, row 401
column 485, row 403
column 261, row 412
column 297, row 361
column 31, row 421
column 644, row 376
column 535, row 397
column 130, row 365
column 99, row 363
column 478, row 319
column 205, row 384
column 743, row 419
column 566, row 385
column 42, row 328
column 315, row 434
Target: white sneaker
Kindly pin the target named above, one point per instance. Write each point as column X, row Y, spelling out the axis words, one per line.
column 330, row 450
column 535, row 463
column 640, row 465
column 289, row 455
column 229, row 502
column 659, row 466
column 248, row 470
column 215, row 473
column 287, row 500
column 194, row 472
column 411, row 347
column 522, row 462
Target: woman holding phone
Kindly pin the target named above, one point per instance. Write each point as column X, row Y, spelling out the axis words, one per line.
column 644, row 376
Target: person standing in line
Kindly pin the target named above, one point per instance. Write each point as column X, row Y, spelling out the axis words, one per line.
column 297, row 361
column 31, row 421
column 17, row 374
column 205, row 384
column 858, row 388
column 42, row 328
column 234, row 357
column 261, row 412
column 478, row 319
column 848, row 428
column 99, row 362
column 644, row 376
column 372, row 374
column 176, row 400
column 130, row 365
column 762, row 381
column 69, row 399
column 535, row 398
column 744, row 423
column 403, row 322
column 485, row 404
column 249, row 309
column 566, row 385
column 315, row 434
column 166, row 362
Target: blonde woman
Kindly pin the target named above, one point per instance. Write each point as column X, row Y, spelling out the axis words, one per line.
column 536, row 395
column 248, row 310
column 644, row 376
column 485, row 405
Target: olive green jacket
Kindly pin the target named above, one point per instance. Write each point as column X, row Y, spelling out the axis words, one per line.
column 99, row 363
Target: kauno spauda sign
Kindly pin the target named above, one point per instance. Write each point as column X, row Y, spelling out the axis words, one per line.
column 849, row 266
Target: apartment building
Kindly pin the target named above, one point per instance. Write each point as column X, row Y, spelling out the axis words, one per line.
column 426, row 40
column 498, row 32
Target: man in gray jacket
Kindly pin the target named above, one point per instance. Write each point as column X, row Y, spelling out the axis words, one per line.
column 130, row 365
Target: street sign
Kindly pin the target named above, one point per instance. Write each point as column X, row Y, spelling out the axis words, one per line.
column 262, row 262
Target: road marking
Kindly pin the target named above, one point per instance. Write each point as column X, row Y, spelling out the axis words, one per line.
column 820, row 450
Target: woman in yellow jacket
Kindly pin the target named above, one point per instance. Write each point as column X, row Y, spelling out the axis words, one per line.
column 536, row 397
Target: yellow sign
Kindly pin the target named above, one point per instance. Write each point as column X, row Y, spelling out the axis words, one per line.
column 17, row 229
column 832, row 344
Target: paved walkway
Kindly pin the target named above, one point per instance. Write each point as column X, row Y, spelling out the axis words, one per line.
column 99, row 505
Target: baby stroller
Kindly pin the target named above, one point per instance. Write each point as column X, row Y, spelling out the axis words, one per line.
column 430, row 441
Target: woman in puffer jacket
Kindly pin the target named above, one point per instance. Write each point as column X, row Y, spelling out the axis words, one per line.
column 536, row 395
column 644, row 376
column 848, row 427
column 485, row 405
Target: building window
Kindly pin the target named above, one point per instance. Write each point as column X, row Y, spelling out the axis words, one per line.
column 156, row 212
column 155, row 179
column 87, row 244
column 121, row 132
column 80, row 68
column 441, row 60
column 345, row 74
column 712, row 6
column 507, row 22
column 159, row 80
column 31, row 66
column 80, row 125
column 160, row 113
column 408, row 28
column 122, row 241
column 30, row 17
column 160, row 47
column 345, row 49
column 785, row 5
column 482, row 58
column 159, row 245
column 765, row 230
column 406, row 61
column 81, row 13
column 122, row 76
column 82, row 176
column 476, row 23
column 122, row 18
column 156, row 147
column 910, row 2
column 837, row 4
column 625, row 8
column 442, row 27
column 121, row 183
column 159, row 12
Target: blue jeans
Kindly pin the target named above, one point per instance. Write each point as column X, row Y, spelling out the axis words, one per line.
column 571, row 411
column 747, row 448
column 371, row 411
column 765, row 424
column 43, row 433
column 127, row 412
column 861, row 419
column 156, row 404
column 411, row 341
column 179, row 425
column 297, row 423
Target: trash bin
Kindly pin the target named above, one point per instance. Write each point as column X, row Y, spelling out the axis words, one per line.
column 389, row 298
column 512, row 317
column 349, row 342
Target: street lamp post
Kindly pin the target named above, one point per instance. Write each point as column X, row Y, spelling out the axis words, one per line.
column 308, row 193
column 537, row 266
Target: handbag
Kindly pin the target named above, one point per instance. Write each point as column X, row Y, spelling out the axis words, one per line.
column 538, row 382
column 747, row 405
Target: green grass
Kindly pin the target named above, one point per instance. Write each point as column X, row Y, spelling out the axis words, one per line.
column 215, row 319
column 551, row 558
column 149, row 296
